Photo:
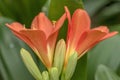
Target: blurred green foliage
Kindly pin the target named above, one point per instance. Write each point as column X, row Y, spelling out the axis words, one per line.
column 104, row 73
column 11, row 65
column 107, row 52
column 102, row 12
column 21, row 10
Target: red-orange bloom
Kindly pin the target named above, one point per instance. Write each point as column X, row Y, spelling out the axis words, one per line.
column 80, row 37
column 41, row 37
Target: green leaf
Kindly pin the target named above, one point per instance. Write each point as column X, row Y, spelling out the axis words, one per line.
column 21, row 10
column 108, row 53
column 115, row 28
column 11, row 65
column 104, row 73
column 103, row 11
column 92, row 6
column 56, row 8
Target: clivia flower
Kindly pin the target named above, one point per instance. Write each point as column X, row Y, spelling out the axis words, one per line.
column 80, row 37
column 41, row 37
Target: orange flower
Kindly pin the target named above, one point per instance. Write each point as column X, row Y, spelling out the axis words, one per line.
column 80, row 37
column 41, row 37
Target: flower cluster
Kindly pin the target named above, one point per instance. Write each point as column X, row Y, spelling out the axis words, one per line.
column 43, row 35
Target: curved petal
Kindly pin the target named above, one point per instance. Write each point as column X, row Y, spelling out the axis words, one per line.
column 69, row 24
column 15, row 26
column 80, row 22
column 91, row 38
column 59, row 23
column 92, row 45
column 68, row 15
column 25, row 39
column 51, row 44
column 102, row 28
column 38, row 38
column 105, row 29
column 41, row 22
column 109, row 35
column 53, row 37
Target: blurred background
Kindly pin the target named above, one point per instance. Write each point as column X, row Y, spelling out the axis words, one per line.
column 102, row 12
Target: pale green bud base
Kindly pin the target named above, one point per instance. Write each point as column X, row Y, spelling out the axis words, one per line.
column 70, row 68
column 59, row 55
column 30, row 64
column 57, row 72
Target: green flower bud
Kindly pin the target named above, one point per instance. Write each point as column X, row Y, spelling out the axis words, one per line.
column 59, row 55
column 70, row 68
column 45, row 75
column 54, row 73
column 30, row 64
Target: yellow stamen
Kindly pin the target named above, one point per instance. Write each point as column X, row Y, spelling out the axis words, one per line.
column 54, row 22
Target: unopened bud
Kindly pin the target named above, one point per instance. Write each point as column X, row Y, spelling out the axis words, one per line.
column 30, row 64
column 70, row 67
column 54, row 73
column 45, row 75
column 59, row 55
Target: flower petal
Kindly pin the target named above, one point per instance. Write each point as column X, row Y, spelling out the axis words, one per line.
column 68, row 15
column 102, row 28
column 59, row 23
column 51, row 43
column 41, row 22
column 81, row 20
column 109, row 35
column 69, row 25
column 16, row 28
column 105, row 29
column 80, row 23
column 53, row 37
column 92, row 37
column 38, row 38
